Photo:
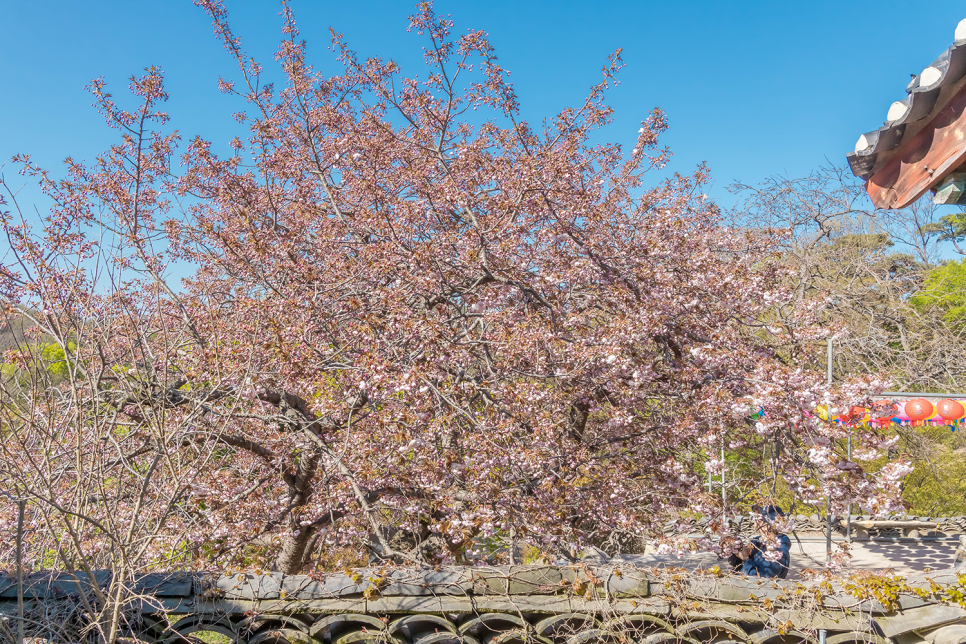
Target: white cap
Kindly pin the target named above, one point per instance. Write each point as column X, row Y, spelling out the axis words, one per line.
column 896, row 111
column 961, row 31
column 929, row 76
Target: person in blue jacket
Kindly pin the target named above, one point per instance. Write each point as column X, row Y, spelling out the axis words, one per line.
column 753, row 560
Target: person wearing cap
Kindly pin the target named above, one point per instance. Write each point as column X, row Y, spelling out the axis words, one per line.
column 754, row 560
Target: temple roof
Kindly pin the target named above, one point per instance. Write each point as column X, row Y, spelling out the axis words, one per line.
column 929, row 118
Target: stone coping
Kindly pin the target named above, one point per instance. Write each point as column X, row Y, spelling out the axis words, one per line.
column 455, row 594
column 610, row 583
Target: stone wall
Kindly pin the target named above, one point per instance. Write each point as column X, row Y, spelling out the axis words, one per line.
column 500, row 605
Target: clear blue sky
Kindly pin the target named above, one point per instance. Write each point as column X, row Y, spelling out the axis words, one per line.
column 753, row 88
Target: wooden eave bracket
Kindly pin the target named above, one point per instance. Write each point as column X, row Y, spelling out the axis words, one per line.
column 951, row 191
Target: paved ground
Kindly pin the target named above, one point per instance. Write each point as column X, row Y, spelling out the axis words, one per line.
column 901, row 556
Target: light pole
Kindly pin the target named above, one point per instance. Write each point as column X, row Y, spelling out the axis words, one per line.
column 828, row 499
column 21, row 507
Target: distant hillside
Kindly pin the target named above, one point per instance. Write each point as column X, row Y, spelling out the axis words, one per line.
column 12, row 331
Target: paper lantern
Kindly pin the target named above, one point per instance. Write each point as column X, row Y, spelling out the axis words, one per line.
column 919, row 409
column 951, row 409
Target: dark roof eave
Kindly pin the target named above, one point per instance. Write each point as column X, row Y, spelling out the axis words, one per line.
column 945, row 77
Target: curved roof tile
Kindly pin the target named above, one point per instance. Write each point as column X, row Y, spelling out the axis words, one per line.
column 927, row 94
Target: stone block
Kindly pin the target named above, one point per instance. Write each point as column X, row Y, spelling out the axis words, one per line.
column 176, row 584
column 517, row 580
column 442, row 604
column 925, row 579
column 590, row 605
column 53, row 585
column 250, row 586
column 313, row 606
column 806, row 620
column 327, row 586
column 736, row 589
column 628, row 583
column 522, row 604
column 925, row 617
column 453, row 581
column 647, row 606
column 952, row 634
column 703, row 587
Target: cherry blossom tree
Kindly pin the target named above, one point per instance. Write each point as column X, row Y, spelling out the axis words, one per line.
column 399, row 312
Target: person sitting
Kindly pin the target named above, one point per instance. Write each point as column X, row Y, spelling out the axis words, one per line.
column 757, row 560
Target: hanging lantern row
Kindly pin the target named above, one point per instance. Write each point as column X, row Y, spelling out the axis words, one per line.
column 916, row 412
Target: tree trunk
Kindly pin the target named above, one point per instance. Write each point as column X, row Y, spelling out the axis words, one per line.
column 290, row 559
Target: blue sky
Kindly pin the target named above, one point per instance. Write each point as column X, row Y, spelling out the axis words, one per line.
column 753, row 88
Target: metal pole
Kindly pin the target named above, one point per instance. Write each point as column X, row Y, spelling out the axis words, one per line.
column 848, row 517
column 915, row 394
column 822, row 635
column 828, row 362
column 828, row 531
column 828, row 501
column 724, row 470
column 20, row 510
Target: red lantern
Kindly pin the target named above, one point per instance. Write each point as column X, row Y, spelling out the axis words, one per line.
column 950, row 409
column 919, row 409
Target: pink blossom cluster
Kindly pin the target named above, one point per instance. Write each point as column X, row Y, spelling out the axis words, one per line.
column 378, row 311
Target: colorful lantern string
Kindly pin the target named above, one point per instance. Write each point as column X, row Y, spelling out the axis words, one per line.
column 916, row 412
